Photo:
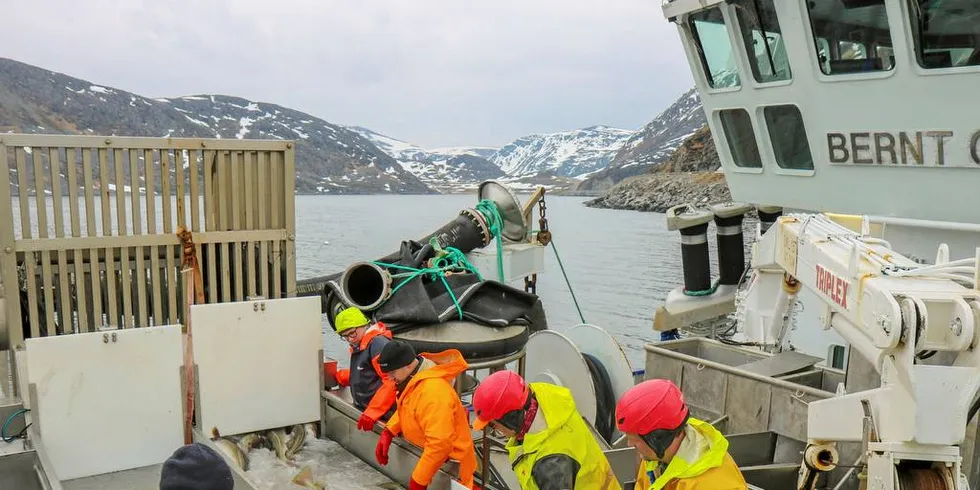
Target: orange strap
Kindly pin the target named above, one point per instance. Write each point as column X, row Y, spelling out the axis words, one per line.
column 195, row 295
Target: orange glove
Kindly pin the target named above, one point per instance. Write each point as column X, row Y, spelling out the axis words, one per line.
column 343, row 377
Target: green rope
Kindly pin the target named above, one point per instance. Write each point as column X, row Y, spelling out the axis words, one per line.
column 705, row 292
column 489, row 211
column 567, row 282
column 449, row 260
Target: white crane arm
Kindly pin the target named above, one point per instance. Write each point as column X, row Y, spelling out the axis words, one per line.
column 892, row 311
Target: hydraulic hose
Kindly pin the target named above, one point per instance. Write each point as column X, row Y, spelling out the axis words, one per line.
column 605, row 420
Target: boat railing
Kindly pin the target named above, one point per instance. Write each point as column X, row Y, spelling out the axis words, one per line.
column 90, row 229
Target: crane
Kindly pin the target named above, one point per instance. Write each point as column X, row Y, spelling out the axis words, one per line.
column 898, row 314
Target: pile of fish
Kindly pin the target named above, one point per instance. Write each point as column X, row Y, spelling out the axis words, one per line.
column 284, row 444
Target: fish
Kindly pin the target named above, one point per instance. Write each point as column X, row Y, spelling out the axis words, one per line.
column 305, row 479
column 296, row 440
column 312, row 430
column 278, row 439
column 250, row 440
column 233, row 451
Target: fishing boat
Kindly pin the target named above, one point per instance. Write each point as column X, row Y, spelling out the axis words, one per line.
column 842, row 356
column 136, row 322
column 847, row 348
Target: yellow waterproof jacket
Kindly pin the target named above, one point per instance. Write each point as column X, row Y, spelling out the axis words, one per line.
column 702, row 462
column 565, row 434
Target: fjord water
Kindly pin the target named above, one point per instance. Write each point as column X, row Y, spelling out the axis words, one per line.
column 621, row 264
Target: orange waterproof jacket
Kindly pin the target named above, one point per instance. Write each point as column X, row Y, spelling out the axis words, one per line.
column 381, row 395
column 431, row 416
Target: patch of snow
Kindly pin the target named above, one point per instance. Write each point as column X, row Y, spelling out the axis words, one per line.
column 101, row 90
column 244, row 122
column 197, row 121
column 252, row 106
column 300, row 133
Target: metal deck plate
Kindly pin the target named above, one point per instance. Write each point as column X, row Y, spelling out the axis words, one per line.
column 106, row 401
column 258, row 364
column 781, row 364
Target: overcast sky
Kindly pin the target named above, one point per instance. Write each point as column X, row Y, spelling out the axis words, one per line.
column 431, row 72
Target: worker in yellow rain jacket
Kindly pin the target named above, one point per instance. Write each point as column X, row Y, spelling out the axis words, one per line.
column 550, row 446
column 429, row 413
column 680, row 452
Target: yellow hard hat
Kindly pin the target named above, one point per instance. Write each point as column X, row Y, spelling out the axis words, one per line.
column 350, row 318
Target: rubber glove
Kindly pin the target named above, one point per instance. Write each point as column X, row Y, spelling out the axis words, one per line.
column 381, row 450
column 414, row 485
column 365, row 422
column 343, row 377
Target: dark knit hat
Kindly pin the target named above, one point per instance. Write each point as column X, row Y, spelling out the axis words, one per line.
column 196, row 467
column 396, row 354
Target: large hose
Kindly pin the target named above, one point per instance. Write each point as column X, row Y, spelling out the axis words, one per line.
column 605, row 419
column 467, row 231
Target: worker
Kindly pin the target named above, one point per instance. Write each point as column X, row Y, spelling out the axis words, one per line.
column 373, row 393
column 550, row 446
column 429, row 413
column 195, row 467
column 680, row 452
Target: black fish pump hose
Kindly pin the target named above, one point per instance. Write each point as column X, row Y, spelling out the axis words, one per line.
column 605, row 420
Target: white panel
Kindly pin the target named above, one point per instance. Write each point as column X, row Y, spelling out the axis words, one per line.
column 111, row 405
column 258, row 364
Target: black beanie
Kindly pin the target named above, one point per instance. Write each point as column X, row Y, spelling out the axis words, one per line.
column 396, row 354
column 196, row 467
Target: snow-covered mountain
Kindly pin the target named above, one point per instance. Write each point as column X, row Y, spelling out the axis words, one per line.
column 446, row 169
column 653, row 144
column 329, row 158
column 575, row 154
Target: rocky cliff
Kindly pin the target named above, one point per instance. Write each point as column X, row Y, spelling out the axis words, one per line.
column 691, row 174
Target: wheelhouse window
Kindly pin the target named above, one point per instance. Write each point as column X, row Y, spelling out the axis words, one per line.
column 788, row 135
column 714, row 48
column 851, row 36
column 737, row 127
column 763, row 41
column 947, row 34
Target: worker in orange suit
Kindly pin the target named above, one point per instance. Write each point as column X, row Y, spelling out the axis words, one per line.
column 372, row 391
column 429, row 413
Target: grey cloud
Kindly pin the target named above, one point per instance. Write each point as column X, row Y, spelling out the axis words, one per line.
column 433, row 72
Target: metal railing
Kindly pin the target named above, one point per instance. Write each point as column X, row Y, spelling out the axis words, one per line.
column 88, row 228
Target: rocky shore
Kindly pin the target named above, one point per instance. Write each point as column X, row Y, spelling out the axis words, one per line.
column 658, row 192
column 691, row 175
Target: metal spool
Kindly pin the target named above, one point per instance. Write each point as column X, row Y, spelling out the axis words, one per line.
column 509, row 208
column 557, row 358
column 936, row 478
column 554, row 358
column 597, row 342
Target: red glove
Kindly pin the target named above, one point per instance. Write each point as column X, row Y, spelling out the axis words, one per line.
column 365, row 422
column 343, row 377
column 381, row 450
column 414, row 485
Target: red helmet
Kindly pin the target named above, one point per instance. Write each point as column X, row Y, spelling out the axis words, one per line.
column 655, row 404
column 498, row 394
